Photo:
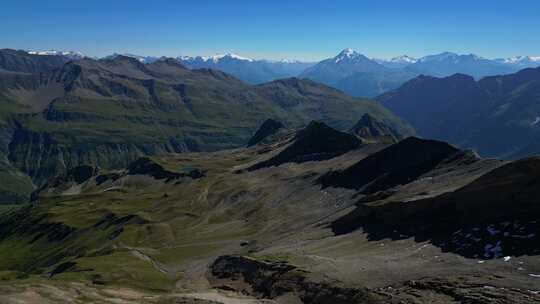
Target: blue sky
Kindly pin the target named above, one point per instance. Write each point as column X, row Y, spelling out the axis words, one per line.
column 308, row 30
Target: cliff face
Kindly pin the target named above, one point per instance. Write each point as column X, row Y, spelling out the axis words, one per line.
column 41, row 157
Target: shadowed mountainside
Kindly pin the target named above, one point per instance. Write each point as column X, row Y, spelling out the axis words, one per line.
column 497, row 116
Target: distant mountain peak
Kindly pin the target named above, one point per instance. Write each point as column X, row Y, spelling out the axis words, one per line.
column 521, row 59
column 142, row 59
column 438, row 57
column 219, row 57
column 370, row 129
column 348, row 53
column 404, row 59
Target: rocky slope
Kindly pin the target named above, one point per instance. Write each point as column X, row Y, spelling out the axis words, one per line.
column 266, row 133
column 369, row 129
column 445, row 227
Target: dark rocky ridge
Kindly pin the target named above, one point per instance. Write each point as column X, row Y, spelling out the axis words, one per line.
column 315, row 142
column 368, row 128
column 268, row 128
column 498, row 210
column 398, row 164
column 146, row 166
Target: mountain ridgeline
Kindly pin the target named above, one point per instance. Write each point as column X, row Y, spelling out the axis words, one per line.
column 359, row 75
column 248, row 70
column 109, row 112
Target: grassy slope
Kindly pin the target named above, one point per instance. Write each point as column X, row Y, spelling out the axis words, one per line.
column 169, row 234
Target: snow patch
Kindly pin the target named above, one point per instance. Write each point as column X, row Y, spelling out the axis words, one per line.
column 71, row 54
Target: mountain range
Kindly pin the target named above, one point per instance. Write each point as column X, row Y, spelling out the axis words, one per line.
column 349, row 71
column 248, row 70
column 498, row 116
column 134, row 179
column 108, row 112
column 359, row 75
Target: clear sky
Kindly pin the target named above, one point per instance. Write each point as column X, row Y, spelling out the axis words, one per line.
column 297, row 29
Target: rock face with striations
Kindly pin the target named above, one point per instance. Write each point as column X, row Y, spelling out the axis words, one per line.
column 265, row 132
column 370, row 129
column 315, row 142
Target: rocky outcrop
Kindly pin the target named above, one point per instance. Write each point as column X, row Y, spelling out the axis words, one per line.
column 369, row 129
column 314, row 143
column 72, row 178
column 265, row 132
column 147, row 166
column 273, row 279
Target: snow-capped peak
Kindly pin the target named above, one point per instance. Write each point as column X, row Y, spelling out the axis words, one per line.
column 287, row 61
column 142, row 59
column 185, row 58
column 70, row 54
column 404, row 59
column 217, row 58
column 521, row 59
column 347, row 53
